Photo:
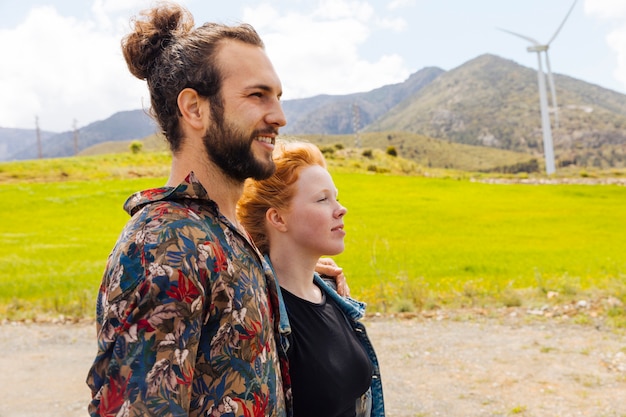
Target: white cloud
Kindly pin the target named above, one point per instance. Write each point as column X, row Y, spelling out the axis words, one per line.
column 341, row 9
column 61, row 69
column 397, row 24
column 117, row 6
column 115, row 13
column 399, row 4
column 617, row 41
column 318, row 52
column 606, row 9
column 613, row 11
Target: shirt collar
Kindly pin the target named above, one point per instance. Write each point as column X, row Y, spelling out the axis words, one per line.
column 189, row 188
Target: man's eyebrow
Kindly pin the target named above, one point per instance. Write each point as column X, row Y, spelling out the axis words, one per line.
column 265, row 88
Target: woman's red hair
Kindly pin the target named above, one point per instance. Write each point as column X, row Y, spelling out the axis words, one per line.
column 277, row 191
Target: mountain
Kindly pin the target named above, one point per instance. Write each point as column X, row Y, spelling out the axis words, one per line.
column 320, row 114
column 488, row 102
column 326, row 114
column 122, row 126
column 13, row 141
column 491, row 101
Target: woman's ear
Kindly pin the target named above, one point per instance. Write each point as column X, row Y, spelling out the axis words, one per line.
column 192, row 108
column 275, row 219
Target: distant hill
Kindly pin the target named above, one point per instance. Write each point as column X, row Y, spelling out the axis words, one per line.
column 326, row 114
column 152, row 143
column 122, row 126
column 488, row 102
column 14, row 141
column 494, row 102
column 435, row 153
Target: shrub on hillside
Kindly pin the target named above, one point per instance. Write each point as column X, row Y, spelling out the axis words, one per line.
column 136, row 146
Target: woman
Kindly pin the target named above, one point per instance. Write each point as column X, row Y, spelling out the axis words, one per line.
column 294, row 217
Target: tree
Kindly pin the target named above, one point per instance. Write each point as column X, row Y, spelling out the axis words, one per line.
column 136, row 146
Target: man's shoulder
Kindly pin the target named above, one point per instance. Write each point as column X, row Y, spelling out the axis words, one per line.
column 160, row 222
column 162, row 237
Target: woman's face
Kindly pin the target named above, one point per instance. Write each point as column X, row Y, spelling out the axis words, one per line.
column 315, row 217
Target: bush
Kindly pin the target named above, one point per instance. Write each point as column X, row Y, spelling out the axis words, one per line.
column 327, row 151
column 391, row 150
column 379, row 170
column 528, row 167
column 136, row 146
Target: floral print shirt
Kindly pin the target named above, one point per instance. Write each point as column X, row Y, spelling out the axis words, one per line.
column 187, row 316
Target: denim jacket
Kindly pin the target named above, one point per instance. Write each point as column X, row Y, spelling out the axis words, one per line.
column 354, row 311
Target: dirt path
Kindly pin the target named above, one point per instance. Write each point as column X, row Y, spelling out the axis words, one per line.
column 477, row 367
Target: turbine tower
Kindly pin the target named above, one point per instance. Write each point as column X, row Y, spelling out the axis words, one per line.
column 539, row 48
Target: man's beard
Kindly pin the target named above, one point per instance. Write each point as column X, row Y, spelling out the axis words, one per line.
column 231, row 150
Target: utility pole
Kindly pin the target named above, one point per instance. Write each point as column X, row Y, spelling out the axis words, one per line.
column 75, row 138
column 356, row 122
column 39, row 151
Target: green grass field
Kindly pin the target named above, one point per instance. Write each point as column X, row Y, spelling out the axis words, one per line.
column 55, row 239
column 411, row 240
column 438, row 239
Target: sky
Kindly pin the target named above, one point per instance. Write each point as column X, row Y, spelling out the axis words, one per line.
column 61, row 65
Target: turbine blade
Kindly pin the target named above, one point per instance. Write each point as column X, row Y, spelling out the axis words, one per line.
column 533, row 41
column 562, row 23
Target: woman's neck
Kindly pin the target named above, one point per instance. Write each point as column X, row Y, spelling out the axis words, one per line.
column 296, row 275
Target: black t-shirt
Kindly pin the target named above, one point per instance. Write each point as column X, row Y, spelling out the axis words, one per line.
column 329, row 368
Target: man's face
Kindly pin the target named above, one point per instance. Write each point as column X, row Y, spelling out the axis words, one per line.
column 241, row 138
column 230, row 148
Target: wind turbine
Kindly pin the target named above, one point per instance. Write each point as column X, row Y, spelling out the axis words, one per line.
column 538, row 48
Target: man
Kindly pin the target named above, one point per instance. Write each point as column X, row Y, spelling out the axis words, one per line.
column 187, row 312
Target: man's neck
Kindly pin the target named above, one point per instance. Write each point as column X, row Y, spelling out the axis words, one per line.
column 223, row 190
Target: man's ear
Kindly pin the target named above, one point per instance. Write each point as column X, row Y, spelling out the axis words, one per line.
column 192, row 108
column 275, row 219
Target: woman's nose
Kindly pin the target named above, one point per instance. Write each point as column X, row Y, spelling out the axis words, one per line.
column 341, row 211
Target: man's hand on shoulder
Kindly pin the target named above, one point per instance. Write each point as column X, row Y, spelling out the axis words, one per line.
column 328, row 268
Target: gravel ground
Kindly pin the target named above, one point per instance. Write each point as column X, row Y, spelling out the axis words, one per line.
column 431, row 367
